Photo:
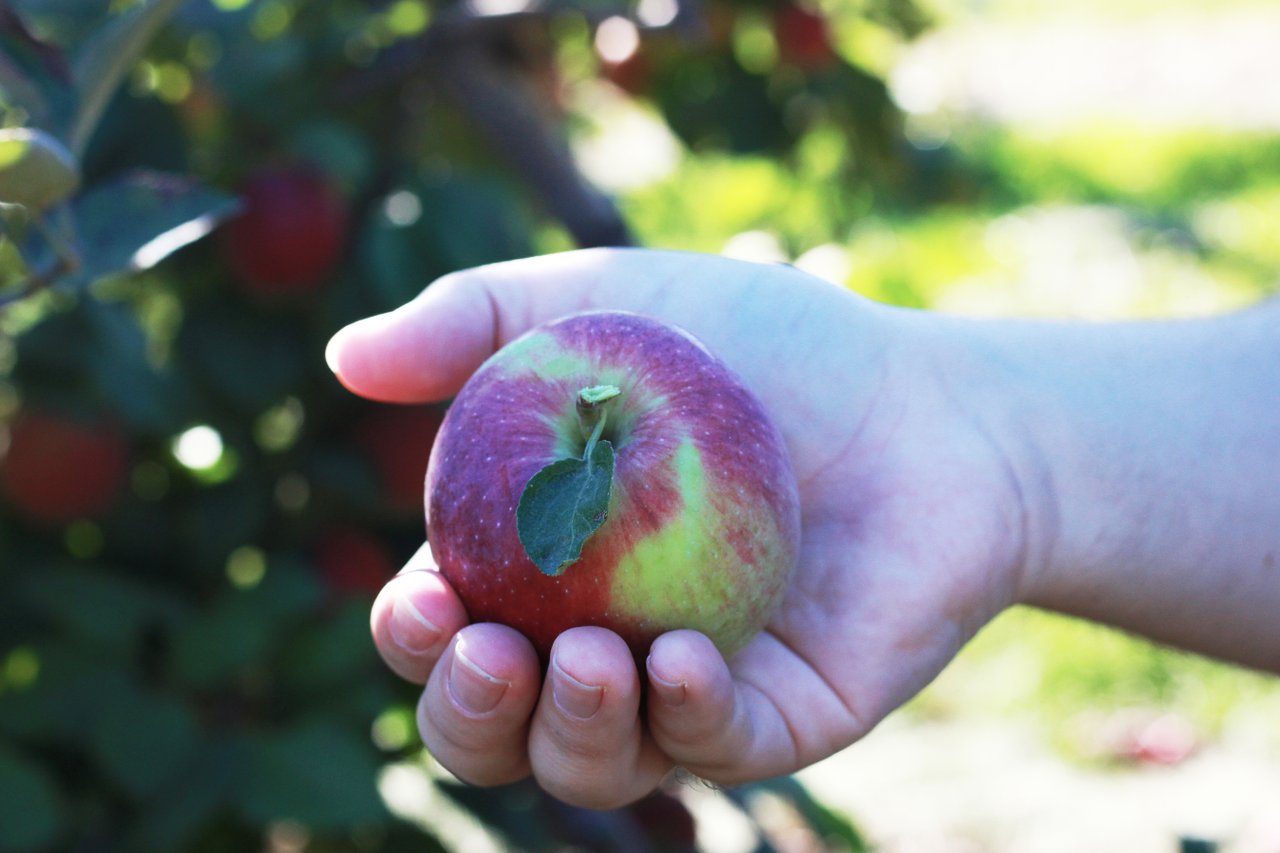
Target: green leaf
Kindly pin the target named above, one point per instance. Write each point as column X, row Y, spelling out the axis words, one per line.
column 72, row 682
column 34, row 74
column 133, row 222
column 326, row 656
column 107, row 56
column 319, row 773
column 99, row 605
column 250, row 361
column 36, row 170
column 562, row 506
column 150, row 397
column 148, row 211
column 180, row 811
column 31, row 808
column 143, row 740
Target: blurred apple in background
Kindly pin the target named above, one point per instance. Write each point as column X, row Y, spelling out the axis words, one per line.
column 58, row 469
column 291, row 233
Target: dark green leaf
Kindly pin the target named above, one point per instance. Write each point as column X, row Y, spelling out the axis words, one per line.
column 450, row 222
column 117, row 146
column 34, row 75
column 135, row 221
column 61, row 706
column 242, row 628
column 250, row 361
column 31, row 807
column 142, row 741
column 104, row 58
column 518, row 811
column 318, row 773
column 98, row 605
column 831, row 827
column 180, row 810
column 325, row 656
column 144, row 209
column 149, row 397
column 561, row 507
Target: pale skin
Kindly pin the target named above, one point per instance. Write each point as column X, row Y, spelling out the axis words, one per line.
column 948, row 469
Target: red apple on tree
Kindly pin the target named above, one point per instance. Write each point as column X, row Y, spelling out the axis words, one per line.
column 291, row 233
column 353, row 562
column 58, row 469
column 606, row 469
column 803, row 37
column 397, row 441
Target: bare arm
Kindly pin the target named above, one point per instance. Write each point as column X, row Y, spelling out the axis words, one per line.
column 1149, row 459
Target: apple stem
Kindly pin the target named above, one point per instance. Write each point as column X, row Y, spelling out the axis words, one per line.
column 591, row 410
column 595, row 436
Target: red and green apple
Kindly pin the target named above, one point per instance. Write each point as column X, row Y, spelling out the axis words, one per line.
column 606, row 469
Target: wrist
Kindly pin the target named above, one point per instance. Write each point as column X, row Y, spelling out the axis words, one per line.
column 1144, row 455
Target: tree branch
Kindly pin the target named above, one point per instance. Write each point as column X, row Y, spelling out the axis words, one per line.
column 501, row 106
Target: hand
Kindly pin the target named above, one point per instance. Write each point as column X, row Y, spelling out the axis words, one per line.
column 912, row 534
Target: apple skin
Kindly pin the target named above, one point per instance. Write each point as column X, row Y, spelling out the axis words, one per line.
column 703, row 527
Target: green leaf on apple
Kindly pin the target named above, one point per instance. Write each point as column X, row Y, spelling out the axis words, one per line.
column 562, row 506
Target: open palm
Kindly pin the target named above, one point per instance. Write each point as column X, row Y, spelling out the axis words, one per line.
column 911, row 533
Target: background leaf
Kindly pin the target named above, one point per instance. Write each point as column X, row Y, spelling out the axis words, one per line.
column 316, row 772
column 31, row 808
column 145, row 741
column 134, row 221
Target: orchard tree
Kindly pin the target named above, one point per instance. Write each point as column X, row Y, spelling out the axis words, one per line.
column 194, row 517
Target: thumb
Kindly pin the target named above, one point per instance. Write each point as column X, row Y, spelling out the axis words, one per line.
column 426, row 349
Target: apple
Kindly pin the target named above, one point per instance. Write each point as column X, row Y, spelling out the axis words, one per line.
column 645, row 478
column 353, row 562
column 632, row 73
column 58, row 469
column 291, row 233
column 397, row 441
column 803, row 37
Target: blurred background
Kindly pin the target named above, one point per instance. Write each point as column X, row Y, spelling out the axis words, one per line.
column 194, row 517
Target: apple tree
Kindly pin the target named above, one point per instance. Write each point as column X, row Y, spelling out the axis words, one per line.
column 194, row 517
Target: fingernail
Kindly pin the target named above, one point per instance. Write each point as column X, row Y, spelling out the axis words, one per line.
column 575, row 699
column 331, row 350
column 472, row 688
column 670, row 692
column 409, row 629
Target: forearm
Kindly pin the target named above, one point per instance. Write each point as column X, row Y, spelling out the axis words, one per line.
column 1148, row 456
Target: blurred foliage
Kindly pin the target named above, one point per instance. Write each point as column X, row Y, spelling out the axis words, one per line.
column 194, row 516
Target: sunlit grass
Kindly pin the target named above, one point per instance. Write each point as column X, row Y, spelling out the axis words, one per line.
column 1058, row 670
